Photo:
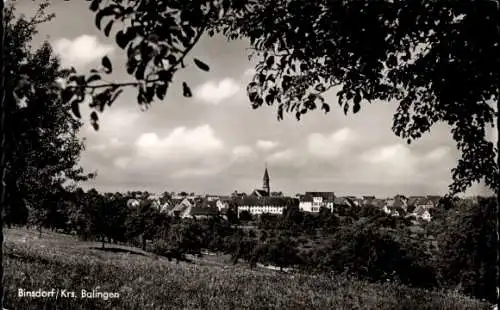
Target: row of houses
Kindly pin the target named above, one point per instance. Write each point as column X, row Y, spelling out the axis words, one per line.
column 262, row 201
column 210, row 206
column 417, row 206
column 312, row 202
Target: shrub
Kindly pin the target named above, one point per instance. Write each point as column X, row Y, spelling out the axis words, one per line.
column 467, row 249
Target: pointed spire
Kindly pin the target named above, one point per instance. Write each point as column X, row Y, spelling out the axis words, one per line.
column 266, row 174
column 266, row 185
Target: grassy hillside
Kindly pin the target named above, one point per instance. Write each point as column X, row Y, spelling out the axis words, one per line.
column 145, row 281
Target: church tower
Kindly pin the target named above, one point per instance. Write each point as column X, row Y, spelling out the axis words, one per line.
column 265, row 185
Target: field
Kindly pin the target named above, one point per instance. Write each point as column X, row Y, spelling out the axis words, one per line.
column 145, row 281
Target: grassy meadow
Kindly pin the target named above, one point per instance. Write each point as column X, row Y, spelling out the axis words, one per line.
column 145, row 281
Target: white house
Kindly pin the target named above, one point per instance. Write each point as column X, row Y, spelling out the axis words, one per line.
column 223, row 202
column 422, row 212
column 421, row 206
column 181, row 206
column 260, row 205
column 198, row 212
column 390, row 210
column 211, row 197
column 313, row 201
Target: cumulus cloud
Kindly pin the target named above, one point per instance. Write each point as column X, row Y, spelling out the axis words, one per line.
column 400, row 157
column 396, row 164
column 182, row 143
column 437, row 154
column 242, row 152
column 266, row 145
column 81, row 50
column 330, row 145
column 393, row 159
column 215, row 92
column 282, row 157
column 114, row 124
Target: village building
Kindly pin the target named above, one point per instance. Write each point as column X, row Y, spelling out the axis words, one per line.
column 314, row 201
column 260, row 205
column 261, row 201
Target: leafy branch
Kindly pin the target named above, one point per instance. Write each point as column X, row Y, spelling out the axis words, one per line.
column 151, row 50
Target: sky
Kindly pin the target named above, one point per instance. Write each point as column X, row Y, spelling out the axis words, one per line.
column 216, row 143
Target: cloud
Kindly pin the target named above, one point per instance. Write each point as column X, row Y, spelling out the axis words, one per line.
column 242, row 152
column 181, row 144
column 196, row 172
column 266, row 145
column 437, row 154
column 282, row 157
column 329, row 146
column 81, row 51
column 112, row 143
column 114, row 123
column 398, row 164
column 394, row 159
column 121, row 162
column 216, row 92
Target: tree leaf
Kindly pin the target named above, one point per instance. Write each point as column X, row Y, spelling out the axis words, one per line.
column 93, row 116
column 280, row 112
column 139, row 74
column 165, row 76
column 356, row 107
column 186, row 91
column 161, row 91
column 270, row 61
column 106, row 63
column 131, row 66
column 115, row 95
column 140, row 96
column 270, row 99
column 107, row 11
column 94, row 5
column 95, row 125
column 108, row 27
column 171, row 59
column 201, row 65
column 93, row 78
column 66, row 95
column 262, row 78
column 121, row 39
column 357, row 98
column 75, row 108
column 150, row 93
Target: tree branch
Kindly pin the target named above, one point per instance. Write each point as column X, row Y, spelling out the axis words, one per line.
column 169, row 70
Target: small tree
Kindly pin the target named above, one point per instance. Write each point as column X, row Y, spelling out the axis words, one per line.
column 142, row 222
column 245, row 216
column 281, row 252
column 232, row 215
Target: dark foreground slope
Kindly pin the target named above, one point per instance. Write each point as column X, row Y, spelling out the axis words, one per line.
column 144, row 281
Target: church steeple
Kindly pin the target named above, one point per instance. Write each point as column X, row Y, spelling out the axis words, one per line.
column 265, row 185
